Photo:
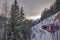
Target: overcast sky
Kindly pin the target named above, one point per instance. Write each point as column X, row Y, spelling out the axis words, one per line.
column 32, row 8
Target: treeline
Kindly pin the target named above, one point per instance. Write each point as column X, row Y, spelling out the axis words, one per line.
column 18, row 27
column 54, row 8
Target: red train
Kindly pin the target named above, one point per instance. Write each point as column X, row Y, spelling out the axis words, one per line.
column 50, row 28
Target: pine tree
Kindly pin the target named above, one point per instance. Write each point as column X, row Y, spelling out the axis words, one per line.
column 25, row 25
column 13, row 32
column 22, row 14
column 27, row 32
column 20, row 23
column 54, row 8
column 57, row 5
column 21, row 17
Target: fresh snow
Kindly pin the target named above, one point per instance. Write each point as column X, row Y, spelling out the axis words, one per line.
column 40, row 34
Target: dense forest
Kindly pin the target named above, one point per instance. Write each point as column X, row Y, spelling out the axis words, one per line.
column 54, row 8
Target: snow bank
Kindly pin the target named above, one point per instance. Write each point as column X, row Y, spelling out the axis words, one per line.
column 38, row 33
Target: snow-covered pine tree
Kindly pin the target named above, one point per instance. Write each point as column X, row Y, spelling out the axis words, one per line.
column 13, row 32
column 21, row 17
column 18, row 29
column 25, row 26
column 22, row 14
column 20, row 23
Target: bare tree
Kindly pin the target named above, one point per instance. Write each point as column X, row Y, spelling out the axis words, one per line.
column 5, row 13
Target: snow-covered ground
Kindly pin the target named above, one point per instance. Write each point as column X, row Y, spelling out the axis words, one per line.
column 40, row 34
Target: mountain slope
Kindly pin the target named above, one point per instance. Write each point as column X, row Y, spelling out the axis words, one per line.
column 38, row 33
